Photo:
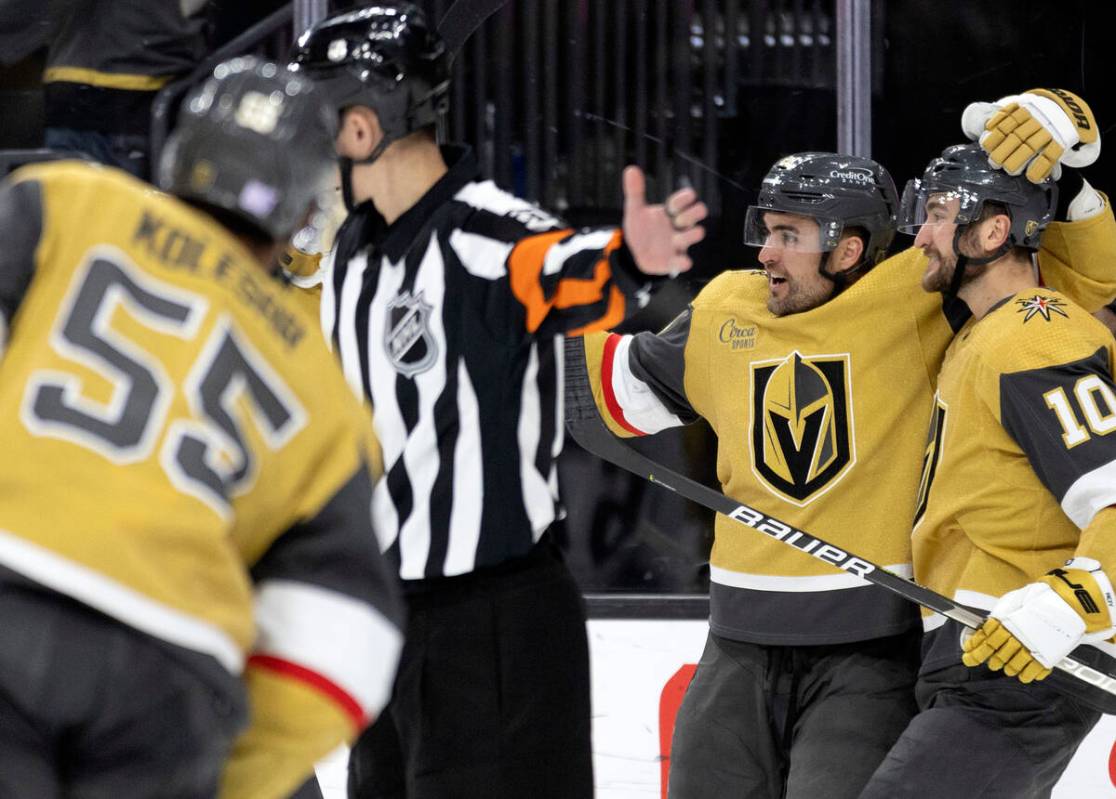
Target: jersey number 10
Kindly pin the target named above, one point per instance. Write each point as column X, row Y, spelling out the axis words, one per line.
column 1089, row 392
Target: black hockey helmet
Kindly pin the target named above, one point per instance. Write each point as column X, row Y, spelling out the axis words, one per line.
column 254, row 141
column 386, row 57
column 839, row 191
column 962, row 172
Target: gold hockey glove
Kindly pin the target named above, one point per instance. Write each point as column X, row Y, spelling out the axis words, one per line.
column 994, row 644
column 1035, row 131
column 1031, row 629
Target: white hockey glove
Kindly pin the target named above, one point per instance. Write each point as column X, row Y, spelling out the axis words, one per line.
column 1036, row 131
column 1031, row 629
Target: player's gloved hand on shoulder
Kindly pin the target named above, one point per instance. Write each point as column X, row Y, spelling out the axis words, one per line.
column 1035, row 131
column 1031, row 629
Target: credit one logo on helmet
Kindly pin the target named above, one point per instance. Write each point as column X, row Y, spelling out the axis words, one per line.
column 802, row 430
column 407, row 339
column 852, row 175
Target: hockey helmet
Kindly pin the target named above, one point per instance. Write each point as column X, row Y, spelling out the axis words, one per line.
column 962, row 173
column 254, row 141
column 838, row 191
column 385, row 57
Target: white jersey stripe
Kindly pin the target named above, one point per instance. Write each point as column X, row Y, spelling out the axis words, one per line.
column 557, row 255
column 537, row 500
column 468, row 480
column 1090, row 494
column 388, row 418
column 331, row 634
column 119, row 601
column 559, row 401
column 480, row 255
column 421, row 456
column 346, row 335
column 825, row 582
column 559, row 425
column 641, row 407
column 973, row 599
column 486, row 196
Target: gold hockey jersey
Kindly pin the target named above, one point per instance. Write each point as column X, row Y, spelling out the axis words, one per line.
column 1021, row 465
column 182, row 454
column 820, row 419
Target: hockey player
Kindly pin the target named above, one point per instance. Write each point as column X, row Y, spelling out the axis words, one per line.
column 185, row 542
column 106, row 61
column 816, row 375
column 445, row 298
column 1017, row 514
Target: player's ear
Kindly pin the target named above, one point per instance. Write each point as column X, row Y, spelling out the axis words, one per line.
column 360, row 132
column 850, row 249
column 994, row 231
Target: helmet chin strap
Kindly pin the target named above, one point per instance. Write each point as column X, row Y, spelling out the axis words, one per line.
column 346, row 167
column 964, row 261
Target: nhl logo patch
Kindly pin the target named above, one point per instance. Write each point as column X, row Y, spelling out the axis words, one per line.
column 407, row 339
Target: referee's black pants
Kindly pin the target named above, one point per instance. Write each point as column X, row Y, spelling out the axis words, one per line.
column 492, row 695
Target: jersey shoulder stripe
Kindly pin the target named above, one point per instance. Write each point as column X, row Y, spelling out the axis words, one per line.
column 486, row 196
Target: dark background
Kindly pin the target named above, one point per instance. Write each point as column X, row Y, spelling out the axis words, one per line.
column 558, row 95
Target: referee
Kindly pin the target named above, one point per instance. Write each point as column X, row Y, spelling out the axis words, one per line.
column 446, row 299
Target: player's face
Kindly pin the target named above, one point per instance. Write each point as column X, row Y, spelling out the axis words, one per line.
column 935, row 238
column 790, row 256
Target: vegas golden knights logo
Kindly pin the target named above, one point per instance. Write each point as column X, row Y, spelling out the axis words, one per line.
column 931, row 457
column 802, row 437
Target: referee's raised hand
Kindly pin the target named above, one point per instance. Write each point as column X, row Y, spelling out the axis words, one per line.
column 659, row 236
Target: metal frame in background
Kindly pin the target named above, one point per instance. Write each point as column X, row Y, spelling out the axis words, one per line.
column 657, row 81
column 683, row 101
column 854, row 77
column 306, row 13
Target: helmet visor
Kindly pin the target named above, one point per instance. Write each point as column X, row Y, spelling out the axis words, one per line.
column 765, row 227
column 925, row 204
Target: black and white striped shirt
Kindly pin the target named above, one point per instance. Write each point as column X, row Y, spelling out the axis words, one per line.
column 450, row 322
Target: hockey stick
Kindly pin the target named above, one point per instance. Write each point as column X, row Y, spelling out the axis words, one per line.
column 585, row 425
